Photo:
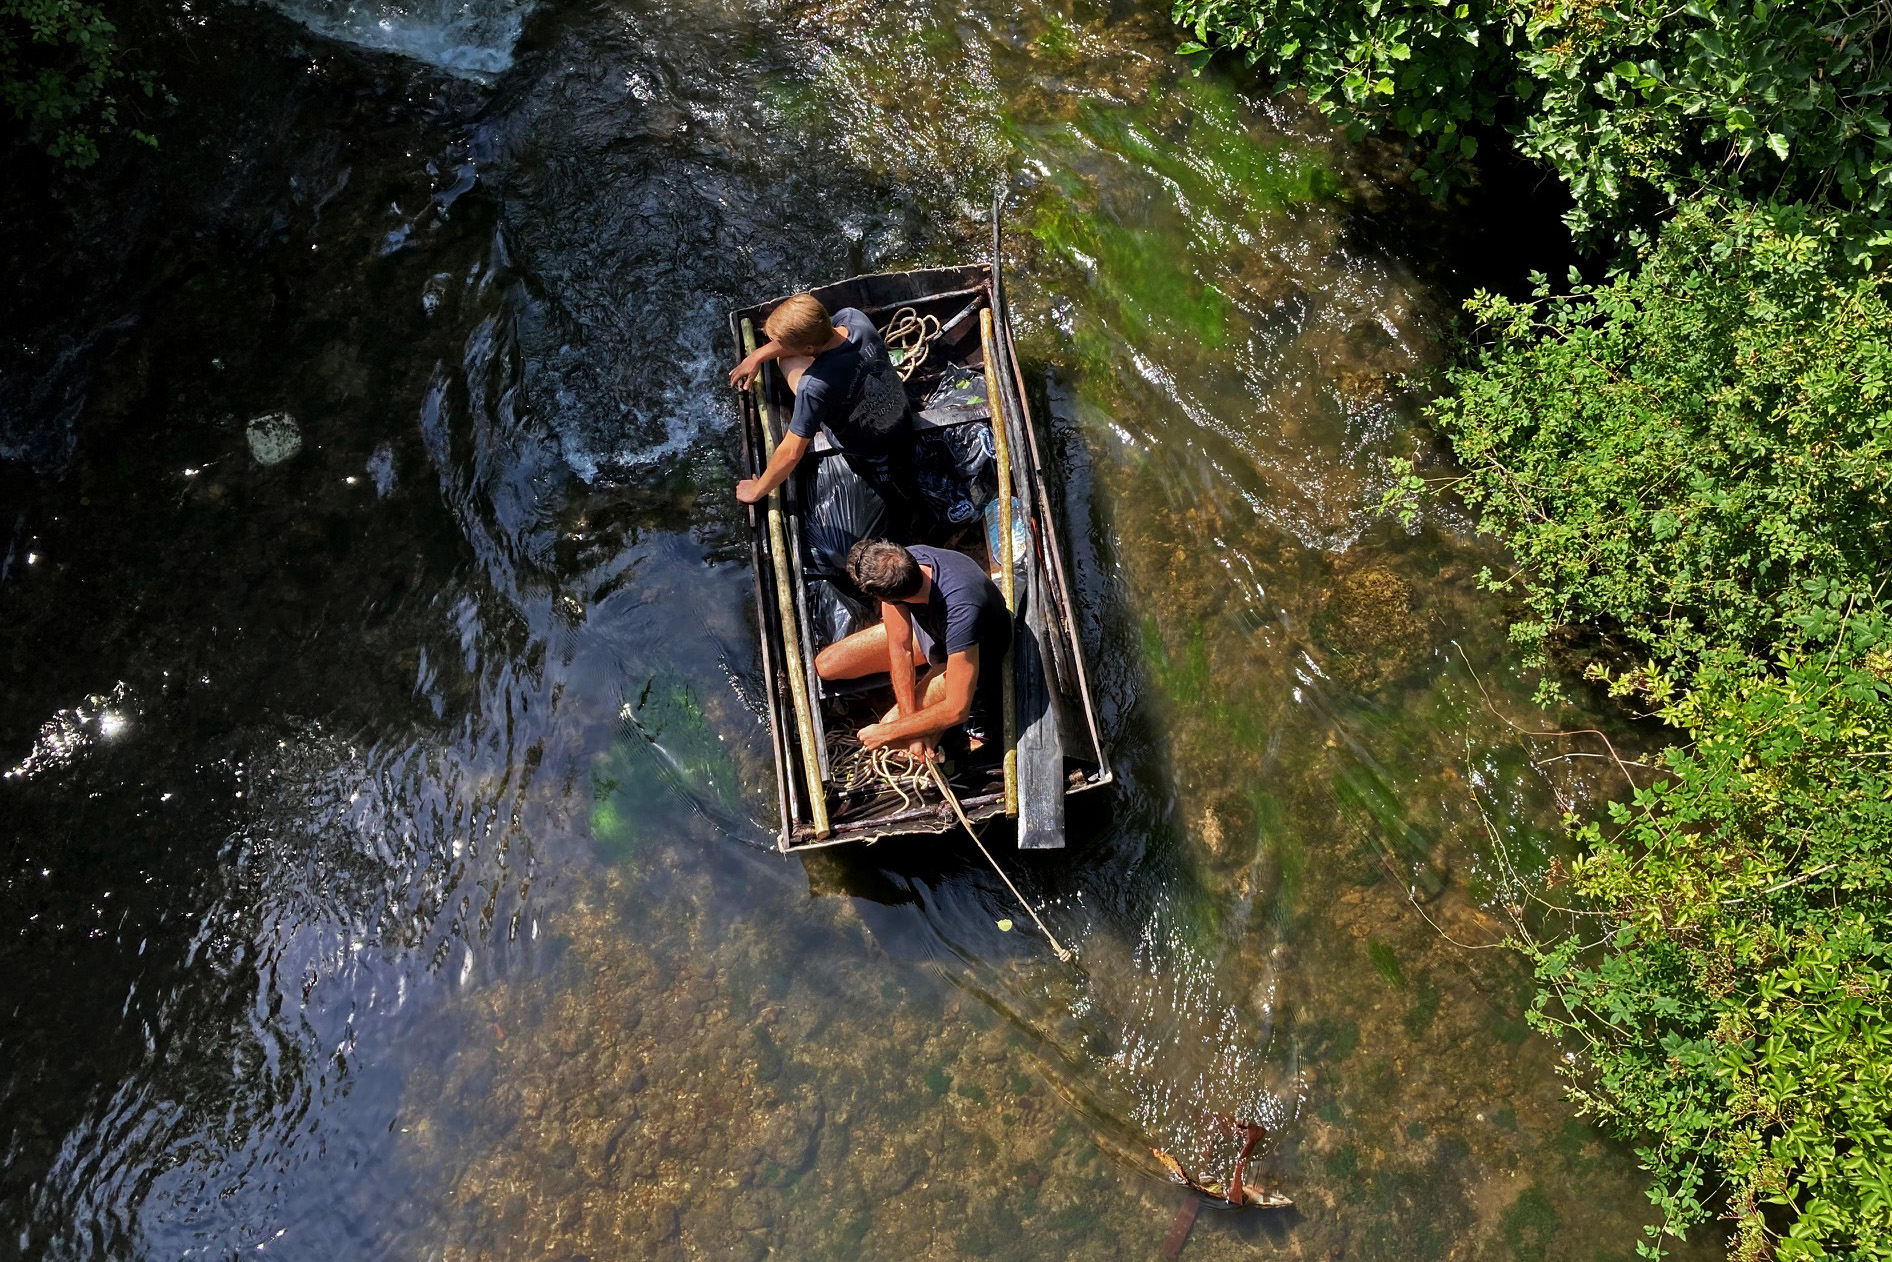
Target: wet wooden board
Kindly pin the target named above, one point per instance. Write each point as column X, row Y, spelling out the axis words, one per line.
column 1041, row 783
column 1040, row 740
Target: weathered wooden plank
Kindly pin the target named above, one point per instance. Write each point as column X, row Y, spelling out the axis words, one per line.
column 793, row 665
column 748, row 420
column 1040, row 743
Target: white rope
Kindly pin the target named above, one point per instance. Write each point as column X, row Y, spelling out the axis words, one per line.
column 946, row 791
column 912, row 334
column 856, row 767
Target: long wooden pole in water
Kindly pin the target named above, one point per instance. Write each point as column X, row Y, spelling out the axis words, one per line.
column 1001, row 445
column 785, row 606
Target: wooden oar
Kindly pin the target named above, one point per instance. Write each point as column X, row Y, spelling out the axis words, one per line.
column 1002, row 446
column 785, row 608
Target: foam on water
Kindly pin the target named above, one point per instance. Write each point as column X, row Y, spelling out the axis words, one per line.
column 474, row 38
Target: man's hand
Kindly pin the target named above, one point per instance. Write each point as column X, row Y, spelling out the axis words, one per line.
column 874, row 735
column 749, row 491
column 742, row 374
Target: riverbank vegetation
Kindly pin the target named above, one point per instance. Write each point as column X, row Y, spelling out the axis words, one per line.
column 1689, row 462
column 61, row 70
column 1634, row 103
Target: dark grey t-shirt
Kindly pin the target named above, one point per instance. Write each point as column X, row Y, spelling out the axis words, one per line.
column 963, row 608
column 855, row 392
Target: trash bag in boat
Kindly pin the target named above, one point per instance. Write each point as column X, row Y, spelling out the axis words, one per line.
column 835, row 614
column 955, row 466
column 959, row 387
column 957, row 471
column 841, row 509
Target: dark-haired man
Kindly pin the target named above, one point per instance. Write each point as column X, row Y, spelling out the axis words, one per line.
column 938, row 611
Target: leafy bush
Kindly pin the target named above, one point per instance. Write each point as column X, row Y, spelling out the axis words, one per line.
column 1691, row 455
column 1634, row 102
column 1739, row 1020
column 1694, row 457
column 58, row 68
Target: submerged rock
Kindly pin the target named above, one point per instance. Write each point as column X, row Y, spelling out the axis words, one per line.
column 274, row 437
column 1369, row 626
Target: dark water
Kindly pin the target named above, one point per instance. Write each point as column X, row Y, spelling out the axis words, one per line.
column 385, row 867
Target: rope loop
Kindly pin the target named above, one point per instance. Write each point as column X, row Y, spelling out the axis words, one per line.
column 855, row 766
column 912, row 334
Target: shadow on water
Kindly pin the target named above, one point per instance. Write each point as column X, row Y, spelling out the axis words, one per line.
column 387, row 819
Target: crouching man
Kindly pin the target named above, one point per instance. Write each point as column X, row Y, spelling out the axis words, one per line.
column 940, row 614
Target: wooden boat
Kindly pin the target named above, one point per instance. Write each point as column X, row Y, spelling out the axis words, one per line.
column 804, row 602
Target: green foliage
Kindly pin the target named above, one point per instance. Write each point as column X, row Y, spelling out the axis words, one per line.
column 1768, row 98
column 1634, row 102
column 58, row 71
column 1741, row 1019
column 1427, row 69
column 1694, row 455
column 1694, row 459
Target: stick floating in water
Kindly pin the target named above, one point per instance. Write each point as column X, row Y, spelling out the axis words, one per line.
column 1236, row 1196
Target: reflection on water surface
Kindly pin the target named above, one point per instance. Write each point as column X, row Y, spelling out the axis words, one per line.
column 421, row 904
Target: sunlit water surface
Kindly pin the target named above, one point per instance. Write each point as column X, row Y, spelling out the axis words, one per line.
column 386, row 828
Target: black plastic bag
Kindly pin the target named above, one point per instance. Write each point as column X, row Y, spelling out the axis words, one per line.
column 957, row 471
column 840, row 509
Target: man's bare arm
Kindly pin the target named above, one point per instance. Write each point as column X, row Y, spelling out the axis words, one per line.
column 962, row 676
column 788, row 454
column 900, row 657
column 742, row 374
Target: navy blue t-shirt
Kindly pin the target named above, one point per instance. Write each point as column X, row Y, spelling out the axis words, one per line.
column 963, row 608
column 855, row 392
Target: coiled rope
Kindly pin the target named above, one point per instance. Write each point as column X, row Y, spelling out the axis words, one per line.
column 854, row 766
column 912, row 335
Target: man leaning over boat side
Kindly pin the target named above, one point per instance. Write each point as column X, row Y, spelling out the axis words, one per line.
column 938, row 611
column 842, row 378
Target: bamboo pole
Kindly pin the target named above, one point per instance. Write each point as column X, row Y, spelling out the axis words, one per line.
column 785, row 606
column 1002, row 446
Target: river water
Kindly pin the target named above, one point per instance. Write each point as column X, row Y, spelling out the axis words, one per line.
column 386, row 827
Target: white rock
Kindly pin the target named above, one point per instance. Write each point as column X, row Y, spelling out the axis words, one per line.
column 274, row 438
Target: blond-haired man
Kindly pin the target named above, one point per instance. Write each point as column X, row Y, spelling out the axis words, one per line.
column 842, row 378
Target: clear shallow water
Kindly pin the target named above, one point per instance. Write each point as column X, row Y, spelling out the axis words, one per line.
column 386, row 864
